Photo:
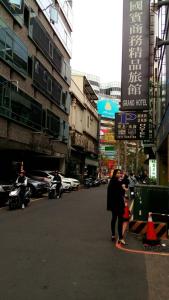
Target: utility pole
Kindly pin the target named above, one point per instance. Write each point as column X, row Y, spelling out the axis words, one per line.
column 136, row 170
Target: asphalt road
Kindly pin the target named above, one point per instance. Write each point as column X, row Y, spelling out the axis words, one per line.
column 61, row 250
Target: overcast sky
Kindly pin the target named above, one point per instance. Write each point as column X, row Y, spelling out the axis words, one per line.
column 97, row 38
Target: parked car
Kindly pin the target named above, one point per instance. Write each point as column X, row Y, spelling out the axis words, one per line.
column 47, row 176
column 40, row 175
column 5, row 188
column 73, row 182
column 37, row 188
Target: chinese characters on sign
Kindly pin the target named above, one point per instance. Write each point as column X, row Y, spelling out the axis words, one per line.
column 153, row 168
column 135, row 56
column 131, row 126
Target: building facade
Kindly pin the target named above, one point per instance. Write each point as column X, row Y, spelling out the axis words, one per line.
column 84, row 124
column 35, row 76
column 161, row 90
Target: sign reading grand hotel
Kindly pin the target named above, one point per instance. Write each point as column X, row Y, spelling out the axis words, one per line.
column 135, row 55
column 131, row 125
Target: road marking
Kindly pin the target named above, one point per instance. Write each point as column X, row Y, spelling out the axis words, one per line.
column 34, row 200
column 37, row 199
column 120, row 247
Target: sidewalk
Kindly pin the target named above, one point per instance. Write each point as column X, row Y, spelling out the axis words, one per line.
column 135, row 242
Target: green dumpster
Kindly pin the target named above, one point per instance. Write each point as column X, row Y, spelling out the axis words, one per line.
column 151, row 198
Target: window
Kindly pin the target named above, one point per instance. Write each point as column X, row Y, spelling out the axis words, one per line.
column 50, row 49
column 45, row 76
column 12, row 50
column 49, row 86
column 9, row 46
column 30, row 65
column 19, row 106
column 46, row 83
column 16, row 3
column 2, row 42
column 26, row 16
column 53, row 124
column 6, row 95
column 36, row 67
column 20, row 55
column 41, row 37
column 88, row 121
column 64, row 94
column 15, row 7
column 65, row 131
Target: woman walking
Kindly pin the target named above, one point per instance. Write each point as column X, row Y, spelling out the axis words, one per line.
column 115, row 203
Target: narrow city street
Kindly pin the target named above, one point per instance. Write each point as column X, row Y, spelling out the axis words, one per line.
column 61, row 249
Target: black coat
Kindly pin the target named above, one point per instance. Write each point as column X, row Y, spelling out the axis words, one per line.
column 57, row 178
column 115, row 196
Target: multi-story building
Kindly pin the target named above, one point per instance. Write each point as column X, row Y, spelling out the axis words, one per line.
column 35, row 75
column 84, row 124
column 107, row 104
column 111, row 89
column 161, row 89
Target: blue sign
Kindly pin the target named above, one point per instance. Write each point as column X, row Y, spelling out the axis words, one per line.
column 107, row 107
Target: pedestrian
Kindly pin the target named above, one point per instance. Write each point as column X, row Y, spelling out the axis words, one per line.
column 125, row 180
column 115, row 204
column 57, row 177
column 23, row 181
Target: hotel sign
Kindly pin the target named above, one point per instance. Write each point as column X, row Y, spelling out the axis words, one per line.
column 131, row 126
column 135, row 55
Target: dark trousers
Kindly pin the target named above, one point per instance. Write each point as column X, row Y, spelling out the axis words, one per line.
column 22, row 195
column 58, row 186
column 120, row 224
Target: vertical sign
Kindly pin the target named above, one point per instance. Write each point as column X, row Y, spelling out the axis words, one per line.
column 135, row 55
column 153, row 168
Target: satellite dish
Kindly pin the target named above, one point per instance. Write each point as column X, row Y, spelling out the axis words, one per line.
column 53, row 15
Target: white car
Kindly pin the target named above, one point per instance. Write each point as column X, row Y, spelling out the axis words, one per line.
column 73, row 182
column 66, row 186
column 47, row 176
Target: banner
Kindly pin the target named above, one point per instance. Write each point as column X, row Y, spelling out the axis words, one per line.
column 107, row 107
column 135, row 55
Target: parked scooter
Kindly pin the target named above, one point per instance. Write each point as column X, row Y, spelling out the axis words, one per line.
column 14, row 196
column 97, row 182
column 88, row 182
column 53, row 191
